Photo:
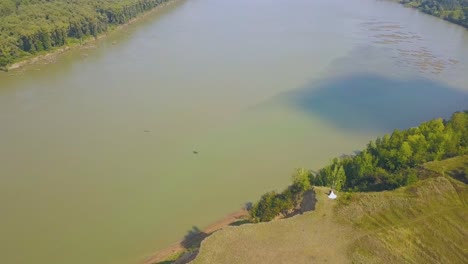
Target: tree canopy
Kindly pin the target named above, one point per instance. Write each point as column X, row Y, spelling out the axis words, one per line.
column 31, row 26
column 388, row 162
column 272, row 204
column 455, row 11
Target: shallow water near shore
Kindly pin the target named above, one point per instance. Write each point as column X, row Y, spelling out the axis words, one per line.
column 96, row 149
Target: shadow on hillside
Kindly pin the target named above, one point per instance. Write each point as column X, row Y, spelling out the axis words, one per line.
column 460, row 173
column 193, row 238
column 307, row 204
column 308, row 201
column 191, row 243
column 240, row 222
column 371, row 101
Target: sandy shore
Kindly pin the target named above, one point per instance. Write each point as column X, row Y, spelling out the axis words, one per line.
column 51, row 55
column 178, row 247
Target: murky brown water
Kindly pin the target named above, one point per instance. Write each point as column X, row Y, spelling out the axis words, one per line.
column 96, row 149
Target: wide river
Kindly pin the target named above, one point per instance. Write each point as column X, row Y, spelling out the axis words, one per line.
column 96, row 147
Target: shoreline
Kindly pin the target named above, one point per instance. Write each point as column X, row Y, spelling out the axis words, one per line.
column 409, row 5
column 178, row 249
column 186, row 249
column 52, row 54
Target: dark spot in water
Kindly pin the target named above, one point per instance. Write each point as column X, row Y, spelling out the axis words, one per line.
column 370, row 101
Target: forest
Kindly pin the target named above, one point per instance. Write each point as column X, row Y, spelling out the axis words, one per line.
column 31, row 26
column 455, row 11
column 387, row 163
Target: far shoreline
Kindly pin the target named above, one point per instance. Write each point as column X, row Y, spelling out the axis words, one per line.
column 52, row 54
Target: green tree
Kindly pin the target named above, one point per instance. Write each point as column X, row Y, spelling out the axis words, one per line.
column 265, row 210
column 333, row 175
column 405, row 154
column 301, row 180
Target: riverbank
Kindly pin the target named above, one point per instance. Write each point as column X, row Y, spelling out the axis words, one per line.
column 440, row 10
column 51, row 55
column 186, row 249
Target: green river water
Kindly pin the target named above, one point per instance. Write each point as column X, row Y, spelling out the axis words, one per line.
column 96, row 147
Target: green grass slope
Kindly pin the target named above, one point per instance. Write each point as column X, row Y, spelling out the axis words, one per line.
column 421, row 223
column 456, row 167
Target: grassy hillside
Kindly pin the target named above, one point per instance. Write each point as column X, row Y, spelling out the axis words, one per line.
column 425, row 223
column 421, row 223
column 456, row 167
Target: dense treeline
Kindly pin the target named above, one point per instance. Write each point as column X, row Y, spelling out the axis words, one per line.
column 31, row 26
column 455, row 11
column 272, row 204
column 387, row 163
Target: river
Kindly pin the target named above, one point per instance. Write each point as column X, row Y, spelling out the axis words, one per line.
column 97, row 160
